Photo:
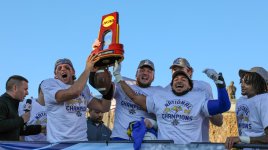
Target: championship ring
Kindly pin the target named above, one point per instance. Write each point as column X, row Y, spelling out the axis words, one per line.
column 110, row 49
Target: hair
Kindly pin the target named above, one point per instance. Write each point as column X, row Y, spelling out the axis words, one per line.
column 14, row 80
column 257, row 82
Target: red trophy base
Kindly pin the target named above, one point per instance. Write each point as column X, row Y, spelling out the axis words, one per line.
column 108, row 56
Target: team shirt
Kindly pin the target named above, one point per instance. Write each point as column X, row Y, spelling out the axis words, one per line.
column 252, row 115
column 66, row 121
column 38, row 117
column 179, row 118
column 127, row 111
column 206, row 88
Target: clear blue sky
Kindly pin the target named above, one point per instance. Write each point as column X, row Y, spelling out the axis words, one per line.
column 225, row 35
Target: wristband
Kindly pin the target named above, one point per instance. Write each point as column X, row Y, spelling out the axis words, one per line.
column 245, row 139
column 155, row 126
column 110, row 94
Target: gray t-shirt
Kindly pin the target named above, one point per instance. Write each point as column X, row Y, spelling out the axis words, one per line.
column 179, row 118
column 252, row 115
column 66, row 121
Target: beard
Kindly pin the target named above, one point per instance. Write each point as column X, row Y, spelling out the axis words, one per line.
column 143, row 85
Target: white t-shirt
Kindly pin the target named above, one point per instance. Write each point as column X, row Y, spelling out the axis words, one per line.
column 38, row 117
column 252, row 115
column 205, row 87
column 66, row 121
column 126, row 111
column 179, row 118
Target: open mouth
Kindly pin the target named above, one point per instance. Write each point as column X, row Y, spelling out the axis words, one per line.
column 64, row 76
column 144, row 78
column 179, row 86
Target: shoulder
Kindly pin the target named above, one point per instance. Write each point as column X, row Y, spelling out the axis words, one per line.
column 262, row 98
column 52, row 83
column 4, row 100
column 50, row 80
column 242, row 98
column 129, row 81
column 157, row 87
column 201, row 85
column 4, row 103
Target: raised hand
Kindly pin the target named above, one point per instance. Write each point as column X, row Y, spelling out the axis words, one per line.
column 217, row 78
column 116, row 72
column 96, row 44
column 92, row 59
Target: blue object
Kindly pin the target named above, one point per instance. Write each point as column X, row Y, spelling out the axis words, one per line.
column 138, row 132
column 221, row 105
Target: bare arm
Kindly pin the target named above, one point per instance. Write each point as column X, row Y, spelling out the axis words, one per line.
column 75, row 90
column 100, row 105
column 261, row 139
column 40, row 98
column 230, row 141
column 137, row 99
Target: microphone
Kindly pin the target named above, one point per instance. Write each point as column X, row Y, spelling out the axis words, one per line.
column 28, row 105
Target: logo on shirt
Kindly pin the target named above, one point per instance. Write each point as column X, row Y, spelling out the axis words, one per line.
column 177, row 111
column 76, row 106
column 242, row 114
column 130, row 106
column 41, row 118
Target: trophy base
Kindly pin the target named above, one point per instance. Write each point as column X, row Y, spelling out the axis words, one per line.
column 109, row 56
column 108, row 60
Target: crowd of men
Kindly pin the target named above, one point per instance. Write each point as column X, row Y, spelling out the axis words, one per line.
column 181, row 111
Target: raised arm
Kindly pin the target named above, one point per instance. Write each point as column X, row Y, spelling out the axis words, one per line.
column 223, row 103
column 75, row 90
column 104, row 104
column 137, row 99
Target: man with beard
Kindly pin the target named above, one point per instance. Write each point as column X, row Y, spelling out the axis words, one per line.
column 182, row 64
column 67, row 99
column 180, row 112
column 251, row 108
column 126, row 111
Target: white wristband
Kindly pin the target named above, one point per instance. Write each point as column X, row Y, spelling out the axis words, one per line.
column 155, row 126
column 245, row 139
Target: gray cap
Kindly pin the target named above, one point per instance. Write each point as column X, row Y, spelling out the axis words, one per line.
column 146, row 62
column 259, row 70
column 181, row 62
column 63, row 61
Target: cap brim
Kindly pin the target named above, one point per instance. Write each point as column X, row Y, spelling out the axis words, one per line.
column 242, row 72
column 176, row 65
column 147, row 66
column 180, row 73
